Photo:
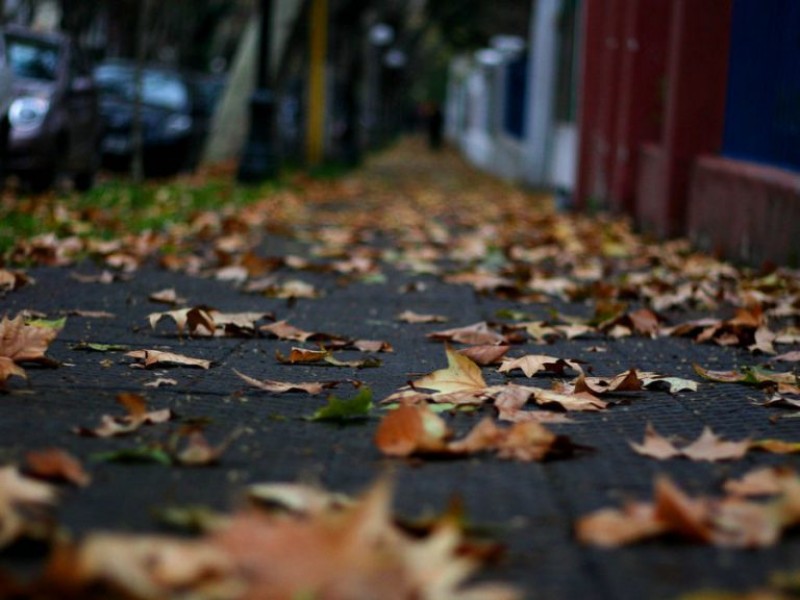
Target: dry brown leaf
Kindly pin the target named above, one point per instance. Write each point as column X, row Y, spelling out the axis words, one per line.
column 712, row 448
column 624, row 382
column 25, row 343
column 708, row 446
column 411, row 429
column 167, row 296
column 56, row 464
column 416, row 430
column 655, row 445
column 283, row 387
column 143, row 567
column 764, row 481
column 150, row 358
column 485, row 355
column 198, row 452
column 531, row 364
column 8, row 368
column 510, row 399
column 23, row 504
column 729, row 522
column 12, row 280
column 478, row 334
column 611, row 527
column 349, row 553
column 138, row 415
column 409, row 316
column 568, row 400
column 461, row 375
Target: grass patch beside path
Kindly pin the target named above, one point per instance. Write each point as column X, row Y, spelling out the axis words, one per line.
column 117, row 207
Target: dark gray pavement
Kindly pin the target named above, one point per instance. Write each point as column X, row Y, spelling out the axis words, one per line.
column 530, row 507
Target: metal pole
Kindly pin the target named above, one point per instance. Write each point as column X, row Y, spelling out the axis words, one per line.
column 260, row 159
column 318, row 42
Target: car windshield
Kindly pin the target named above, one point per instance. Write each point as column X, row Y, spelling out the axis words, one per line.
column 32, row 59
column 159, row 89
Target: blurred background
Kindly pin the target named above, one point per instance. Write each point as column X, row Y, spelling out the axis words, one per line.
column 683, row 114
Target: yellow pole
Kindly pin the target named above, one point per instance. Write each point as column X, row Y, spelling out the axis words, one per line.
column 316, row 81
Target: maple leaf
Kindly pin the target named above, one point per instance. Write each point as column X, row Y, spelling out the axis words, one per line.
column 198, row 452
column 283, row 387
column 26, row 342
column 510, row 399
column 22, row 502
column 137, row 416
column 708, row 447
column 764, row 481
column 729, row 522
column 748, row 375
column 409, row 316
column 9, row 368
column 305, row 355
column 531, row 364
column 167, row 296
column 461, row 375
column 142, row 566
column 159, row 357
column 297, row 498
column 349, row 553
column 56, row 464
column 411, row 429
column 416, row 430
column 486, row 354
column 475, row 335
column 12, row 280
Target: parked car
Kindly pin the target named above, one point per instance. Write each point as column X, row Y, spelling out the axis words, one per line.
column 54, row 122
column 167, row 123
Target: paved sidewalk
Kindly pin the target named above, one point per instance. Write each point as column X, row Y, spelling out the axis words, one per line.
column 425, row 204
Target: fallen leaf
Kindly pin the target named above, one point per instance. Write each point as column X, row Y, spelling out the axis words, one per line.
column 137, row 416
column 198, row 452
column 342, row 410
column 56, row 464
column 283, row 387
column 475, row 335
column 712, row 448
column 728, row 522
column 531, row 364
column 161, row 381
column 409, row 316
column 655, row 445
column 158, row 357
column 27, row 342
column 167, row 296
column 416, row 430
column 708, row 447
column 297, row 498
column 24, row 503
column 411, row 429
column 461, row 375
column 764, row 481
column 485, row 355
column 142, row 566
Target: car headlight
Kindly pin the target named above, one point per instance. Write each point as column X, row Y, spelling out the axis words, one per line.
column 177, row 124
column 28, row 112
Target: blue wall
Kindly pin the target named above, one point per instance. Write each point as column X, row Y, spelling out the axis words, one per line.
column 762, row 120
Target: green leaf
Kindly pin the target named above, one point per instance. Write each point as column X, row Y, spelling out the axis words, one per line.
column 94, row 347
column 345, row 409
column 196, row 518
column 57, row 324
column 142, row 454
